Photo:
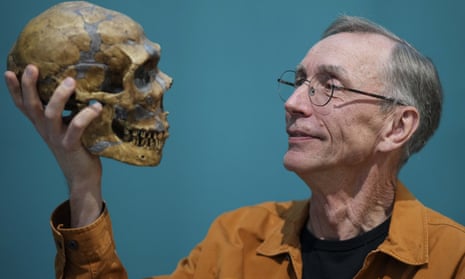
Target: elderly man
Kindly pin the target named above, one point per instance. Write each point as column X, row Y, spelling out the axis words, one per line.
column 357, row 106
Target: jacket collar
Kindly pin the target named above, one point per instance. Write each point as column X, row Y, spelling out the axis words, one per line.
column 286, row 234
column 285, row 237
column 407, row 240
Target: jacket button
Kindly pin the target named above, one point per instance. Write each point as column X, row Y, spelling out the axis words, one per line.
column 73, row 245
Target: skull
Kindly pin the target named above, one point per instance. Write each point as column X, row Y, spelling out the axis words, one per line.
column 113, row 63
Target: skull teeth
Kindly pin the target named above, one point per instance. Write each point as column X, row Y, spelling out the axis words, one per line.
column 143, row 138
column 148, row 139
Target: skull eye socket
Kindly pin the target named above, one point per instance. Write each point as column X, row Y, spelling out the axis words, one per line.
column 145, row 74
column 112, row 83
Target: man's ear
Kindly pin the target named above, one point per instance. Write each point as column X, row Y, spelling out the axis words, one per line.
column 399, row 128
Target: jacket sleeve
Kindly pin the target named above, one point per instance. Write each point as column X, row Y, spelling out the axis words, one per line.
column 87, row 252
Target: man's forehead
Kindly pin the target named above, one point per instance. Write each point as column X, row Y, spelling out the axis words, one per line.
column 344, row 52
column 359, row 39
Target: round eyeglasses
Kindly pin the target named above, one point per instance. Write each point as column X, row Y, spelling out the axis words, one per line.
column 320, row 88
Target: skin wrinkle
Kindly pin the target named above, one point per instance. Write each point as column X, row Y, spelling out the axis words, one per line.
column 341, row 209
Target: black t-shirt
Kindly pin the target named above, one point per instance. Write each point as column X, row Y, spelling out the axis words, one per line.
column 327, row 259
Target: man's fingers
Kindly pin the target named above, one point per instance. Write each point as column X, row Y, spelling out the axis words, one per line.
column 79, row 123
column 57, row 102
column 31, row 102
column 48, row 120
column 15, row 90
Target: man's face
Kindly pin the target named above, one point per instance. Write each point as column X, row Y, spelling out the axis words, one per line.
column 342, row 135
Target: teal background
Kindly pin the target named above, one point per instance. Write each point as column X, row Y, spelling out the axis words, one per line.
column 227, row 125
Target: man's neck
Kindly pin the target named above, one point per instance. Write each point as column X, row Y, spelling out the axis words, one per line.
column 350, row 211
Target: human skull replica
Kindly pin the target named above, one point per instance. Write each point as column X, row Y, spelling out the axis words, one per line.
column 113, row 63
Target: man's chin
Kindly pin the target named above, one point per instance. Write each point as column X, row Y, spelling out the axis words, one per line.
column 291, row 163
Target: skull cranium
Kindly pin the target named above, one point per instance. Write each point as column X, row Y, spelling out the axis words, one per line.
column 113, row 63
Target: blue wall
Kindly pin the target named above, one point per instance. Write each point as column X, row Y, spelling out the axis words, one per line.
column 227, row 129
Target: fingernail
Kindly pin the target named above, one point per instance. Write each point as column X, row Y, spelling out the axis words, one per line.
column 7, row 80
column 68, row 82
column 28, row 71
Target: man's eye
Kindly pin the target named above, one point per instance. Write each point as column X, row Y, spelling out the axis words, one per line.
column 328, row 85
column 325, row 81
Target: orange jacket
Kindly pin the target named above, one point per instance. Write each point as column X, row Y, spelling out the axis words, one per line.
column 262, row 241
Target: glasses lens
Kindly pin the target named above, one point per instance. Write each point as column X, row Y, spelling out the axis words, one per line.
column 321, row 89
column 286, row 85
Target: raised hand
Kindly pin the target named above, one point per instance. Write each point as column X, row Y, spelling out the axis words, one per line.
column 82, row 170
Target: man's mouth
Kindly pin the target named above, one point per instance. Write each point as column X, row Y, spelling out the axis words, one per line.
column 298, row 133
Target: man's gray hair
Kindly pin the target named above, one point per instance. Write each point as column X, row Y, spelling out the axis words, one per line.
column 409, row 76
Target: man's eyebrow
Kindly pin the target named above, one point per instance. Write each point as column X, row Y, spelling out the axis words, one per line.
column 333, row 70
column 300, row 70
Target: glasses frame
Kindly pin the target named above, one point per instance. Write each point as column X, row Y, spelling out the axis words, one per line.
column 333, row 87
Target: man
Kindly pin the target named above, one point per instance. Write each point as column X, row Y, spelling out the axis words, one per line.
column 361, row 102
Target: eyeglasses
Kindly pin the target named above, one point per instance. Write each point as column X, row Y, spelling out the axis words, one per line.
column 320, row 88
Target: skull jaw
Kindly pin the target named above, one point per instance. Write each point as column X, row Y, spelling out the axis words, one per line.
column 128, row 153
column 135, row 146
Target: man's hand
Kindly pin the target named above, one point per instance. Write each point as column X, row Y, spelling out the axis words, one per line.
column 82, row 170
